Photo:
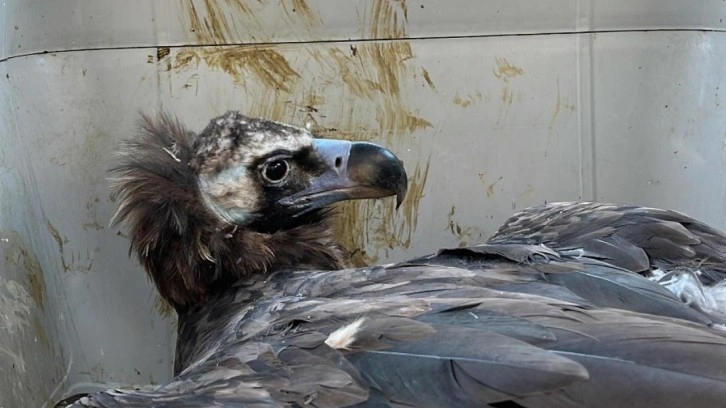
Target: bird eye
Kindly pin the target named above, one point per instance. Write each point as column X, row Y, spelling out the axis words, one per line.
column 275, row 170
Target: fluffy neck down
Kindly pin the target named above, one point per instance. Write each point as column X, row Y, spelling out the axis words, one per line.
column 188, row 252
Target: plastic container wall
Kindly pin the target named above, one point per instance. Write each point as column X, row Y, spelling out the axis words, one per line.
column 493, row 106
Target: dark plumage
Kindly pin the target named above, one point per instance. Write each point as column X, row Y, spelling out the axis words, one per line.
column 189, row 251
column 683, row 254
column 267, row 317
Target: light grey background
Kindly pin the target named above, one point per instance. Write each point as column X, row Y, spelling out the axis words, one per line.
column 599, row 100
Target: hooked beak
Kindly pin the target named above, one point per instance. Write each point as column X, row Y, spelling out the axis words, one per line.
column 354, row 171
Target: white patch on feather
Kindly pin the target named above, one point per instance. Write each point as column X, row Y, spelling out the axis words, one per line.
column 172, row 154
column 576, row 253
column 687, row 287
column 718, row 293
column 656, row 274
column 345, row 335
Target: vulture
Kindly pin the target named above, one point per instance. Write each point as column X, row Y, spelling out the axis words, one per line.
column 567, row 305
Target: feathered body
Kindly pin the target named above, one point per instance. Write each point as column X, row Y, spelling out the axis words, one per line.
column 267, row 317
column 433, row 336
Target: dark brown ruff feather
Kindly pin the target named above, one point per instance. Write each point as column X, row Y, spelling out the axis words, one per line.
column 161, row 205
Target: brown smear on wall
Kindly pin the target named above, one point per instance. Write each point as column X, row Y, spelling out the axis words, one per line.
column 20, row 256
column 61, row 241
column 373, row 78
column 27, row 355
column 356, row 93
column 238, row 21
column 303, row 9
column 208, row 20
column 505, row 71
column 261, row 63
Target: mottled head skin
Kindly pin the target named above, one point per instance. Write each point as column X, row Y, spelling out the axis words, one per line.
column 203, row 198
column 229, row 156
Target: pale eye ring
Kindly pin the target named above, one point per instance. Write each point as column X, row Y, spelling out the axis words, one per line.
column 275, row 171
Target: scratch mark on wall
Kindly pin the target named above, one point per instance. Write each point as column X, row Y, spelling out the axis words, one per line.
column 92, row 225
column 464, row 103
column 716, row 99
column 16, row 358
column 303, row 9
column 237, row 21
column 462, row 234
column 20, row 256
column 454, row 226
column 162, row 52
column 40, row 333
column 26, row 354
column 527, row 195
column 490, row 189
column 209, row 23
column 416, row 187
column 427, row 78
column 61, row 241
column 393, row 120
column 92, row 216
column 15, row 306
column 561, row 104
column 504, row 71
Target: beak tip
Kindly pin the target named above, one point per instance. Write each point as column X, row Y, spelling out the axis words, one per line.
column 402, row 185
column 400, row 196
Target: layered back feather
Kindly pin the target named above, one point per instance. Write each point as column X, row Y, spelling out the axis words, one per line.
column 683, row 254
column 427, row 335
column 635, row 238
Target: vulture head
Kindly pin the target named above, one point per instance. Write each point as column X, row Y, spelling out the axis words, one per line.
column 240, row 198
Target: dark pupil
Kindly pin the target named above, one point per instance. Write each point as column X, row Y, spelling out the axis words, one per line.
column 276, row 170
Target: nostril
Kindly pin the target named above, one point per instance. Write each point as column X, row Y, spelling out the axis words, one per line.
column 338, row 161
